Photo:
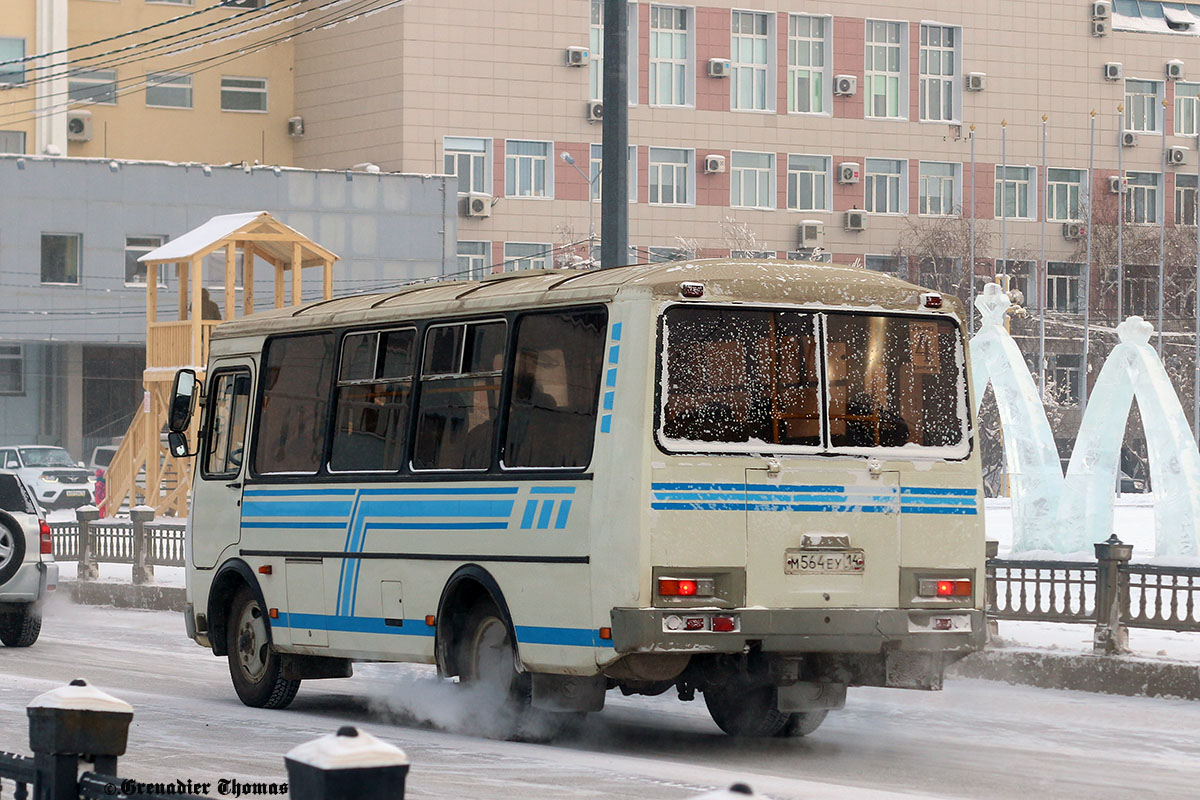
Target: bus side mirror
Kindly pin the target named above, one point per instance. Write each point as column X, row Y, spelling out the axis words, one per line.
column 177, row 443
column 183, row 401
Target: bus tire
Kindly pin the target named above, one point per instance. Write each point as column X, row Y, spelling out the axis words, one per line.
column 802, row 723
column 254, row 666
column 20, row 627
column 745, row 711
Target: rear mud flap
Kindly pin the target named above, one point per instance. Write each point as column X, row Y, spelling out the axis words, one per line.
column 913, row 670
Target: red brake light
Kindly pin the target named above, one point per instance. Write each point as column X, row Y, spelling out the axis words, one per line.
column 958, row 588
column 47, row 541
column 723, row 624
column 687, row 587
column 668, row 587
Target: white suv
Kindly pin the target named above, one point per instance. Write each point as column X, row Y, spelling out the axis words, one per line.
column 27, row 568
column 54, row 479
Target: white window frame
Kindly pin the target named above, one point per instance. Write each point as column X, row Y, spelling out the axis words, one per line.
column 14, row 351
column 763, row 177
column 180, row 82
column 78, row 258
column 82, row 81
column 686, row 63
column 794, row 184
column 516, row 163
column 247, row 90
column 1059, row 283
column 893, row 265
column 11, row 71
column 801, row 48
column 872, row 176
column 1028, row 183
column 1187, row 108
column 871, row 73
column 142, row 250
column 596, row 174
column 1144, row 195
column 596, row 52
column 1066, row 376
column 541, row 258
column 928, row 181
column 480, row 161
column 1139, row 103
column 477, row 265
column 1182, row 200
column 1057, row 188
column 686, row 170
column 758, row 72
column 939, row 81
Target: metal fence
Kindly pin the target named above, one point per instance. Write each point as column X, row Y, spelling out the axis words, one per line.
column 112, row 542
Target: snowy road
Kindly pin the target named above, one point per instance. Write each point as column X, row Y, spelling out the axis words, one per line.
column 975, row 739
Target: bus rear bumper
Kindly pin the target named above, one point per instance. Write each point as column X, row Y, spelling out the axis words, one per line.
column 799, row 631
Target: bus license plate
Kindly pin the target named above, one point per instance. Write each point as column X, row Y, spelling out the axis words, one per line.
column 823, row 562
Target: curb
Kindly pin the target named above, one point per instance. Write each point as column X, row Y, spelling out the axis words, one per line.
column 126, row 595
column 1130, row 676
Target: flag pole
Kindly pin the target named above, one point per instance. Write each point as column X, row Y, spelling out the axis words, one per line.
column 1040, row 272
column 1087, row 267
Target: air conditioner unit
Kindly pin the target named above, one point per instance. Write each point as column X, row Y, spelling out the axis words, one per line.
column 595, row 111
column 811, row 233
column 1113, row 71
column 1175, row 70
column 1176, row 155
column 1099, row 27
column 845, row 85
column 849, row 172
column 578, row 56
column 855, row 221
column 479, row 205
column 1128, row 139
column 295, row 127
column 1116, row 184
column 79, row 126
column 1073, row 231
column 1101, row 9
column 976, row 81
column 714, row 164
column 719, row 68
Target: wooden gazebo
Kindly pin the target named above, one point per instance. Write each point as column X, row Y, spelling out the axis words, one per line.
column 142, row 471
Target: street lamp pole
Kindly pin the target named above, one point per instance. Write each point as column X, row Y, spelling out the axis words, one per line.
column 591, row 180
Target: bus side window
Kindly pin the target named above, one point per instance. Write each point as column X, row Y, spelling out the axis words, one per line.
column 373, row 400
column 290, row 434
column 556, row 386
column 227, row 426
column 460, row 396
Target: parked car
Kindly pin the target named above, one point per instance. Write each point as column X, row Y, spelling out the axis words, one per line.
column 54, row 479
column 27, row 568
column 102, row 456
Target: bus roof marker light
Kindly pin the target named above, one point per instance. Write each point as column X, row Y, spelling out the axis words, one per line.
column 691, row 289
column 931, row 300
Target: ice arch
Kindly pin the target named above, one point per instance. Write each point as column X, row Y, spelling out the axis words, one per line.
column 1133, row 369
column 1035, row 474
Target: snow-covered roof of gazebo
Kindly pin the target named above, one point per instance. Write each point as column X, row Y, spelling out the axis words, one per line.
column 270, row 236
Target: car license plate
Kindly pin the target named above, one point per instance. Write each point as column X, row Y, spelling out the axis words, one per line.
column 76, row 493
column 823, row 562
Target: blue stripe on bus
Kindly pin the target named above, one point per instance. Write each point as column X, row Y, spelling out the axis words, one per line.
column 616, row 331
column 570, row 637
column 938, row 501
column 698, row 486
column 564, row 511
column 936, row 490
column 294, row 508
column 544, row 517
column 528, row 634
column 942, row 510
column 442, row 490
column 552, row 490
column 297, row 492
column 530, row 511
column 438, row 526
column 327, row 526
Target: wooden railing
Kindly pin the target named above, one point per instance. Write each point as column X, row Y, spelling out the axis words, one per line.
column 169, row 344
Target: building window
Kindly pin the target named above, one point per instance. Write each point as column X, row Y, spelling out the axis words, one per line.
column 749, row 55
column 671, row 176
column 135, row 248
column 12, row 50
column 1186, row 109
column 1141, row 197
column 596, row 52
column 596, row 173
column 468, row 157
column 167, row 90
column 526, row 255
column 809, row 183
column 1064, row 188
column 243, row 94
column 12, row 369
column 60, row 257
column 1185, row 199
column 876, row 263
column 1141, row 291
column 1062, row 287
column 1021, row 280
column 1015, row 192
column 527, row 169
column 92, row 86
column 474, row 260
column 884, row 77
column 808, row 63
column 670, row 56
column 1063, row 370
column 939, row 86
column 940, row 192
column 661, row 255
column 887, row 191
column 816, row 254
column 1143, row 105
column 752, row 180
column 12, row 142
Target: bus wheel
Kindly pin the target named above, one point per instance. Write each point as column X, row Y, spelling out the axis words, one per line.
column 742, row 710
column 253, row 665
column 802, row 723
column 487, row 664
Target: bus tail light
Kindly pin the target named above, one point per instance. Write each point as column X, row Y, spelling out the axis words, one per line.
column 945, row 587
column 47, row 542
column 701, row 623
column 686, row 587
column 724, row 624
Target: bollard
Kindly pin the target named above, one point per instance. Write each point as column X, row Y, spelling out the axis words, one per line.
column 1111, row 636
column 991, row 550
column 142, row 572
column 73, row 721
column 88, row 570
column 348, row 765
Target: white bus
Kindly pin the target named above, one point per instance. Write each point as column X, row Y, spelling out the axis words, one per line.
column 758, row 480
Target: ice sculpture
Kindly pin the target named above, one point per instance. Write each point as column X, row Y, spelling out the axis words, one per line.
column 1035, row 475
column 1133, row 369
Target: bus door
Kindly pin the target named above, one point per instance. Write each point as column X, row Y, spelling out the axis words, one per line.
column 218, row 485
